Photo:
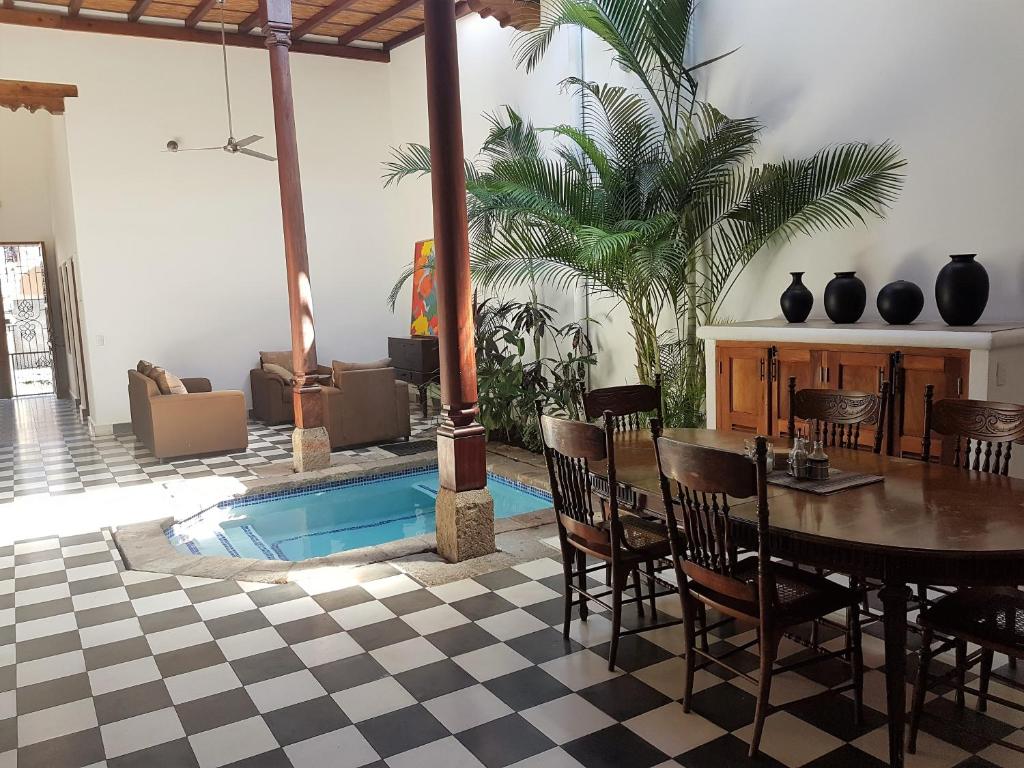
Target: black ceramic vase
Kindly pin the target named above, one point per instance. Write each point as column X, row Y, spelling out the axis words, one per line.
column 900, row 303
column 845, row 298
column 796, row 300
column 961, row 290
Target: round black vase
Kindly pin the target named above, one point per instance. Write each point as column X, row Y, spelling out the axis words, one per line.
column 796, row 300
column 845, row 298
column 900, row 303
column 961, row 290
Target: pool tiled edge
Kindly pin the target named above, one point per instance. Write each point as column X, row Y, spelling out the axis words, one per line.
column 145, row 547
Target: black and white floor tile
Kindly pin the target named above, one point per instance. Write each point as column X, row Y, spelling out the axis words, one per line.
column 102, row 666
column 46, row 449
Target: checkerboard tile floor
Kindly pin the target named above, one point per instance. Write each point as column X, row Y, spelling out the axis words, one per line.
column 102, row 666
column 45, row 449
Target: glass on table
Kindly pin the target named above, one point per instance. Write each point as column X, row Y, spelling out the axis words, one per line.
column 750, row 451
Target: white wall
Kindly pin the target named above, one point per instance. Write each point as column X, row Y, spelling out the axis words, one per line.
column 181, row 257
column 939, row 77
column 65, row 247
column 26, row 168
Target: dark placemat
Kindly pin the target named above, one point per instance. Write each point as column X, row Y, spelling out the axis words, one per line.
column 838, row 480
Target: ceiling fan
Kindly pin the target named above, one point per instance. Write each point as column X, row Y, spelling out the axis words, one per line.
column 232, row 145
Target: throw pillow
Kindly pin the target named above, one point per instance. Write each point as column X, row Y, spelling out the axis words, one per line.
column 144, row 367
column 283, row 359
column 169, row 384
column 284, row 373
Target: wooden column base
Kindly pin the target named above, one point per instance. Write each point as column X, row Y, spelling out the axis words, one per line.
column 462, row 457
column 309, row 405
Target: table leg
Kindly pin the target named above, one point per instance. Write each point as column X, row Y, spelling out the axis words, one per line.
column 894, row 596
column 423, row 398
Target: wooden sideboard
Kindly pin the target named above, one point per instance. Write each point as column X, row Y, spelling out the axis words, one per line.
column 749, row 366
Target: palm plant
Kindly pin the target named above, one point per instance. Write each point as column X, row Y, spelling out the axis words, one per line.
column 655, row 200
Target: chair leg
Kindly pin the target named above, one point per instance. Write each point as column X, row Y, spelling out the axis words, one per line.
column 619, row 578
column 919, row 689
column 581, row 566
column 768, row 648
column 857, row 661
column 986, row 675
column 638, row 587
column 961, row 672
column 689, row 654
column 567, row 561
column 702, row 614
column 1012, row 661
column 651, row 587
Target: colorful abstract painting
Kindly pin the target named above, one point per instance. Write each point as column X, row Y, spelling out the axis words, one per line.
column 424, row 298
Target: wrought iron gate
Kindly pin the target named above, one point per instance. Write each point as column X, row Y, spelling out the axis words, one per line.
column 27, row 319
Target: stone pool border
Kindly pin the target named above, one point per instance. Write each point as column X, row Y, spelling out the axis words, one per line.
column 145, row 547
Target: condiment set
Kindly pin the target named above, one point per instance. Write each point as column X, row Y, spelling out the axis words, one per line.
column 807, row 466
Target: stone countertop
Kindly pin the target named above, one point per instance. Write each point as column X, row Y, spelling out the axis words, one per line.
column 929, row 334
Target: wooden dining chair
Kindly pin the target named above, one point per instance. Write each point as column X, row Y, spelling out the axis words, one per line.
column 837, row 416
column 977, row 434
column 621, row 542
column 993, row 620
column 630, row 407
column 699, row 482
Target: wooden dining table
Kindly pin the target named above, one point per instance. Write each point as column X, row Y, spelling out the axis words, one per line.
column 923, row 524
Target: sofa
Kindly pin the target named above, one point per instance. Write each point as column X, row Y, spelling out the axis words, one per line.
column 190, row 423
column 363, row 404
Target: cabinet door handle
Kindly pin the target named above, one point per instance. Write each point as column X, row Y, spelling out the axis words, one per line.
column 762, row 369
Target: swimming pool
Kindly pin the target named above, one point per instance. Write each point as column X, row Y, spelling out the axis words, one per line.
column 317, row 521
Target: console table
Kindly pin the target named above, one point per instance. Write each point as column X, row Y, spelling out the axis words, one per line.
column 416, row 360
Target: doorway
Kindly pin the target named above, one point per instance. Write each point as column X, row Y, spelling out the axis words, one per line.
column 26, row 345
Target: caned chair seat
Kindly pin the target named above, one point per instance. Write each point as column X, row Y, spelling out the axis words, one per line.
column 647, row 537
column 802, row 593
column 983, row 617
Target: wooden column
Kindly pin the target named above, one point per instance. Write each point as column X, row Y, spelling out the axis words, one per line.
column 460, row 437
column 307, row 396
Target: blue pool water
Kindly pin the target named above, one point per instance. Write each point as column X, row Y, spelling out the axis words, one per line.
column 296, row 525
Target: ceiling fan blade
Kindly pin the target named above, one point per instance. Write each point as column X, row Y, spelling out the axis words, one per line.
column 191, row 149
column 247, row 141
column 260, row 155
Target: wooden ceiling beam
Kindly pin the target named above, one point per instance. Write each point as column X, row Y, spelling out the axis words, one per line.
column 18, row 94
column 200, row 11
column 396, row 10
column 50, row 20
column 250, row 22
column 327, row 13
column 138, row 10
column 461, row 9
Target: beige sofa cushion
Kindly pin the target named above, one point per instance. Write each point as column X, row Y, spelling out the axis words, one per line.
column 278, row 370
column 168, row 383
column 282, row 359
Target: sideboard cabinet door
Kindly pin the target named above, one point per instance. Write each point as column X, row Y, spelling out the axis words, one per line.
column 743, row 389
column 946, row 372
column 805, row 365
